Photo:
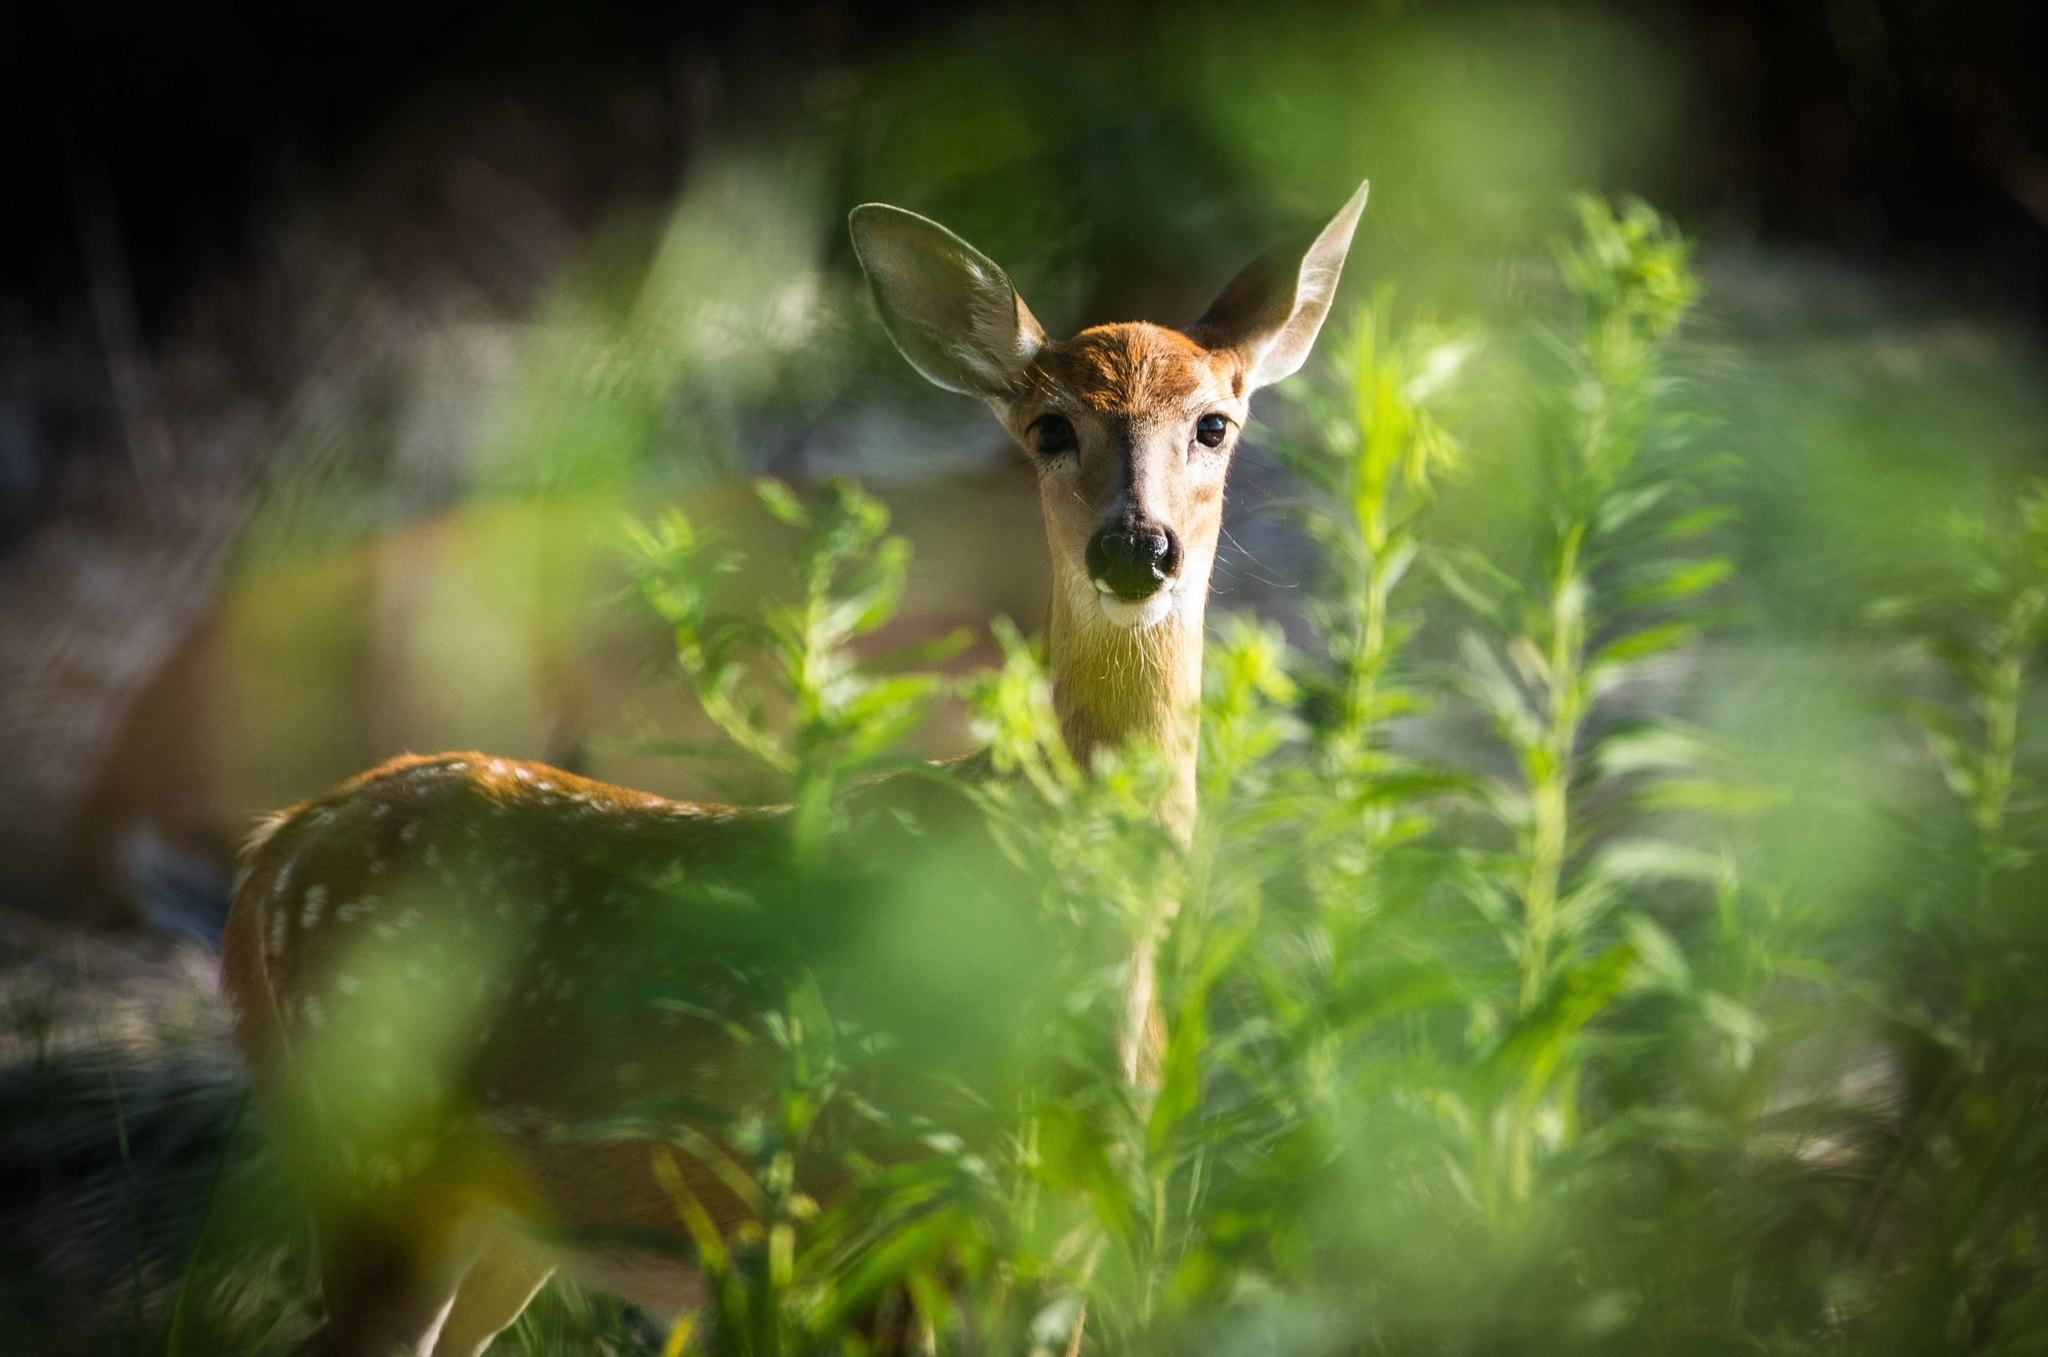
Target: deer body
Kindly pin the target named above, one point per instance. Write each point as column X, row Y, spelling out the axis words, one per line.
column 413, row 958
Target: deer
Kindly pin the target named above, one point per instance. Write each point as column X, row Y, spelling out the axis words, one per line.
column 478, row 897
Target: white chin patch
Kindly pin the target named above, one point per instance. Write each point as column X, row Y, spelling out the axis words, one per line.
column 1149, row 612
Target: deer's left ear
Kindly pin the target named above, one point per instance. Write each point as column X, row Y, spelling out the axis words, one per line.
column 951, row 311
column 1270, row 313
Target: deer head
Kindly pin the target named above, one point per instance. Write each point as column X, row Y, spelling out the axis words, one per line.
column 1131, row 427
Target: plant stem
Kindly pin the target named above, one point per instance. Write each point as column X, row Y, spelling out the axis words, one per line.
column 2001, row 703
column 1550, row 767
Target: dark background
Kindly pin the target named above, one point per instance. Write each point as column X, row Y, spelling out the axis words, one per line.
column 1900, row 132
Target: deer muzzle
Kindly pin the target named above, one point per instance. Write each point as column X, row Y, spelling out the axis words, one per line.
column 1134, row 560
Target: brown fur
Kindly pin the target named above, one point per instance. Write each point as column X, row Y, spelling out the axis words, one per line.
column 488, row 891
column 1134, row 370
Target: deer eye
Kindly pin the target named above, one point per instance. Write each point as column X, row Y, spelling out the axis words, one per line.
column 1055, row 435
column 1209, row 430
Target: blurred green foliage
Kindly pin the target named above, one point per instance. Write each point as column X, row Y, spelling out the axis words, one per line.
column 846, row 716
column 1521, row 1053
column 1613, row 922
column 1499, row 1015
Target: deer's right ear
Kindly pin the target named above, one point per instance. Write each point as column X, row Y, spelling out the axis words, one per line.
column 952, row 312
column 1270, row 314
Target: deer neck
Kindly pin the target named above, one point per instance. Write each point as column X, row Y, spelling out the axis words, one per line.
column 1115, row 686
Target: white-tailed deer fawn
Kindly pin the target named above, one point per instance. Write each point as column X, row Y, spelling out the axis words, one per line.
column 412, row 958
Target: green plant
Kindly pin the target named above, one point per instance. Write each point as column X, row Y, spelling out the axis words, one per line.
column 844, row 717
column 795, row 1277
column 1615, row 561
column 1493, row 1019
column 1959, row 1199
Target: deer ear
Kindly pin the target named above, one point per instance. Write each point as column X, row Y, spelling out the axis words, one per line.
column 952, row 312
column 1270, row 313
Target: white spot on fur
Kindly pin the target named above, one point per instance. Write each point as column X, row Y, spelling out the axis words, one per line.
column 316, row 900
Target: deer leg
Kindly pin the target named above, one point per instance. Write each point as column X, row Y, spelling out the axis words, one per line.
column 496, row 1289
column 1141, row 1047
column 387, row 1295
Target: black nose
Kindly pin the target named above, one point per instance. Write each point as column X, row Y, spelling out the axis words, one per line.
column 1134, row 559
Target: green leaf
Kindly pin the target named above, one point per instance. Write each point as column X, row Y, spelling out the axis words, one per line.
column 881, row 1267
column 1743, row 1028
column 1656, row 748
column 1660, row 964
column 1656, row 860
column 780, row 501
column 1698, row 521
column 1642, row 644
column 1073, row 1155
column 1950, row 747
column 1682, row 582
column 1489, row 684
column 1477, row 582
column 1180, row 1074
column 1585, row 905
column 1624, row 506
